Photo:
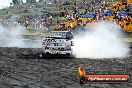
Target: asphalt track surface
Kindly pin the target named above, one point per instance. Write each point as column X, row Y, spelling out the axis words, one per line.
column 24, row 68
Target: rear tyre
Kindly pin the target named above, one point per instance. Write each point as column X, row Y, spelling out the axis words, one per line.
column 68, row 54
column 43, row 55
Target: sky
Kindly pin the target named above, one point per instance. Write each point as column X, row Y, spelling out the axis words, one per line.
column 5, row 3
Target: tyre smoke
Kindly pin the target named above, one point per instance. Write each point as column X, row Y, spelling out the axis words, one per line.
column 13, row 37
column 101, row 40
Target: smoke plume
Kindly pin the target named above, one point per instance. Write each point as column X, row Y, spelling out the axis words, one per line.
column 13, row 37
column 101, row 40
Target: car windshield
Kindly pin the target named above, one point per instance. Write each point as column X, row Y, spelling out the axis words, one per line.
column 61, row 34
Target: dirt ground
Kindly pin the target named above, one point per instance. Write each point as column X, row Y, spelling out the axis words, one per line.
column 23, row 68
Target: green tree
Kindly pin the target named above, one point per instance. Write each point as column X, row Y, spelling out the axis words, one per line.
column 14, row 2
column 30, row 1
column 33, row 1
column 17, row 2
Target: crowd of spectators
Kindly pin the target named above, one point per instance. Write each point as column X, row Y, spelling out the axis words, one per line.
column 117, row 12
column 93, row 10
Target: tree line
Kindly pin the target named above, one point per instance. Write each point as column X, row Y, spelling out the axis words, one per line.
column 15, row 2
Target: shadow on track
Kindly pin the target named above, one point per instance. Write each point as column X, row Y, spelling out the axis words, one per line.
column 57, row 56
column 44, row 56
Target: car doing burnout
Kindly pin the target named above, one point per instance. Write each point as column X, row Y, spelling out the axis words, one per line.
column 58, row 42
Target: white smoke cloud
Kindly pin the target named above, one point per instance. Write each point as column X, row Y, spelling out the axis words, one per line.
column 102, row 40
column 13, row 37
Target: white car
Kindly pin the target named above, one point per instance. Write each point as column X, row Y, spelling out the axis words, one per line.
column 58, row 42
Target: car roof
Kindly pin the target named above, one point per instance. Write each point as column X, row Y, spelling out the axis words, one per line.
column 60, row 31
